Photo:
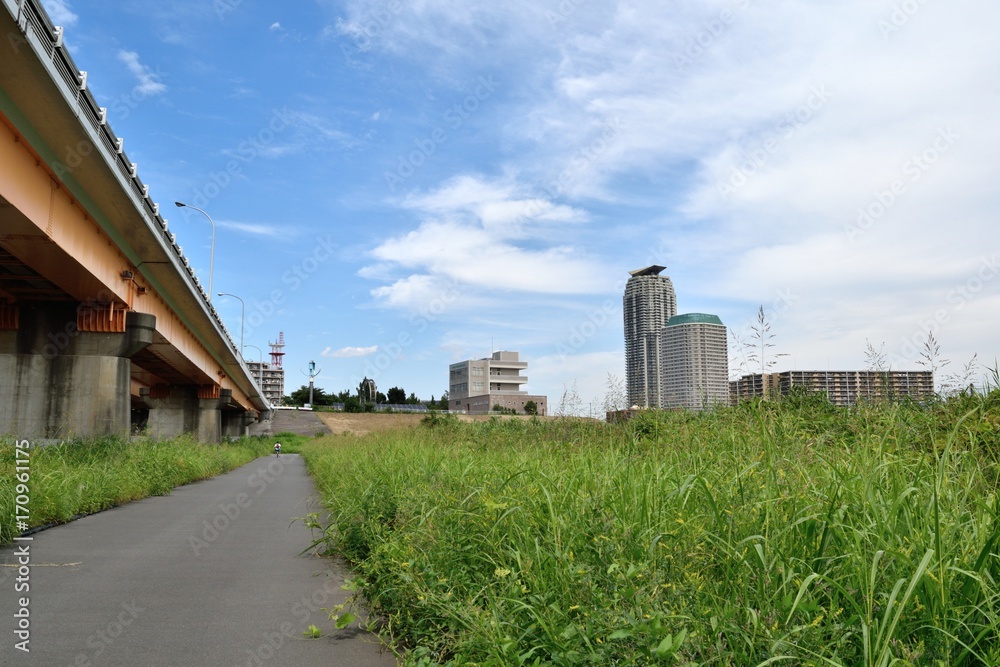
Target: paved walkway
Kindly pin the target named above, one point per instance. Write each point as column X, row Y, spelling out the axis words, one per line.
column 209, row 575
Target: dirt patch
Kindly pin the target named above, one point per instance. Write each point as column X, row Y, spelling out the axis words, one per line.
column 362, row 423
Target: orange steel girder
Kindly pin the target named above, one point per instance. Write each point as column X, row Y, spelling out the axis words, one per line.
column 46, row 229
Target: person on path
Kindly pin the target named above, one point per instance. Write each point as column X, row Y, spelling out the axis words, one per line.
column 277, row 449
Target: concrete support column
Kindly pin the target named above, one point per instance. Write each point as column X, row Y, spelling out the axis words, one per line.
column 176, row 410
column 65, row 369
column 235, row 420
column 236, row 424
column 209, row 420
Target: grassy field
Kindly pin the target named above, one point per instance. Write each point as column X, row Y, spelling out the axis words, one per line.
column 76, row 478
column 793, row 533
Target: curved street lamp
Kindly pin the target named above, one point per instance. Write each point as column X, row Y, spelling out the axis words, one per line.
column 211, row 261
column 243, row 310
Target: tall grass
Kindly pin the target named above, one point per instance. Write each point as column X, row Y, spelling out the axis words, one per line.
column 793, row 533
column 76, row 478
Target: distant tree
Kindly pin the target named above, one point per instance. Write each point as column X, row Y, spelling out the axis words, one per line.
column 412, row 399
column 531, row 408
column 380, row 398
column 396, row 395
column 352, row 404
column 301, row 396
column 443, row 403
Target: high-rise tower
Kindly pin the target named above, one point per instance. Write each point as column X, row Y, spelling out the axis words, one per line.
column 695, row 362
column 647, row 306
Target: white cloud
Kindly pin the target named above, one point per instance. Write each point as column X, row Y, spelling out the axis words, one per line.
column 484, row 236
column 275, row 26
column 149, row 83
column 253, row 228
column 812, row 115
column 415, row 291
column 502, row 208
column 349, row 352
column 60, row 13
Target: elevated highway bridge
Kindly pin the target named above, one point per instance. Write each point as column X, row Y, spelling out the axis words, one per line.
column 103, row 324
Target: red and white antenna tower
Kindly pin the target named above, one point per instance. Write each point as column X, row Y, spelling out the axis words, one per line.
column 277, row 350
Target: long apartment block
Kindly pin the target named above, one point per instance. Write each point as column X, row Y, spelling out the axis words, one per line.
column 842, row 388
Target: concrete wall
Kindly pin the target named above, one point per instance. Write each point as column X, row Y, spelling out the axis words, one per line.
column 58, row 382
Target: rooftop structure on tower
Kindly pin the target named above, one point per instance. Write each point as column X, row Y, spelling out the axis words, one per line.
column 277, row 350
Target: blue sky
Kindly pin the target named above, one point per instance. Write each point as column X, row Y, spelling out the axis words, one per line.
column 401, row 185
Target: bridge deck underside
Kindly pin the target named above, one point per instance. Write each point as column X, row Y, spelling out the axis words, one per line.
column 80, row 234
column 35, row 269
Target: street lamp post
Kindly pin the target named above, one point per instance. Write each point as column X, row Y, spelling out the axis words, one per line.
column 211, row 261
column 261, row 362
column 243, row 310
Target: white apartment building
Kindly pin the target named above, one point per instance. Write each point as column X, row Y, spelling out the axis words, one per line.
column 844, row 388
column 648, row 304
column 273, row 386
column 695, row 371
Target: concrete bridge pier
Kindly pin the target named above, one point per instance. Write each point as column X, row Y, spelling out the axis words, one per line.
column 65, row 369
column 235, row 420
column 176, row 410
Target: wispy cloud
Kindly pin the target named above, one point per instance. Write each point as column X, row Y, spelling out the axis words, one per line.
column 60, row 12
column 256, row 229
column 149, row 83
column 349, row 352
column 764, row 134
column 307, row 133
column 486, row 236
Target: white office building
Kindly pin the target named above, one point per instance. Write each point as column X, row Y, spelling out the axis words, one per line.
column 476, row 386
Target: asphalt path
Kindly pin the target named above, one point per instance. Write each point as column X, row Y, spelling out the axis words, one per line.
column 208, row 575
